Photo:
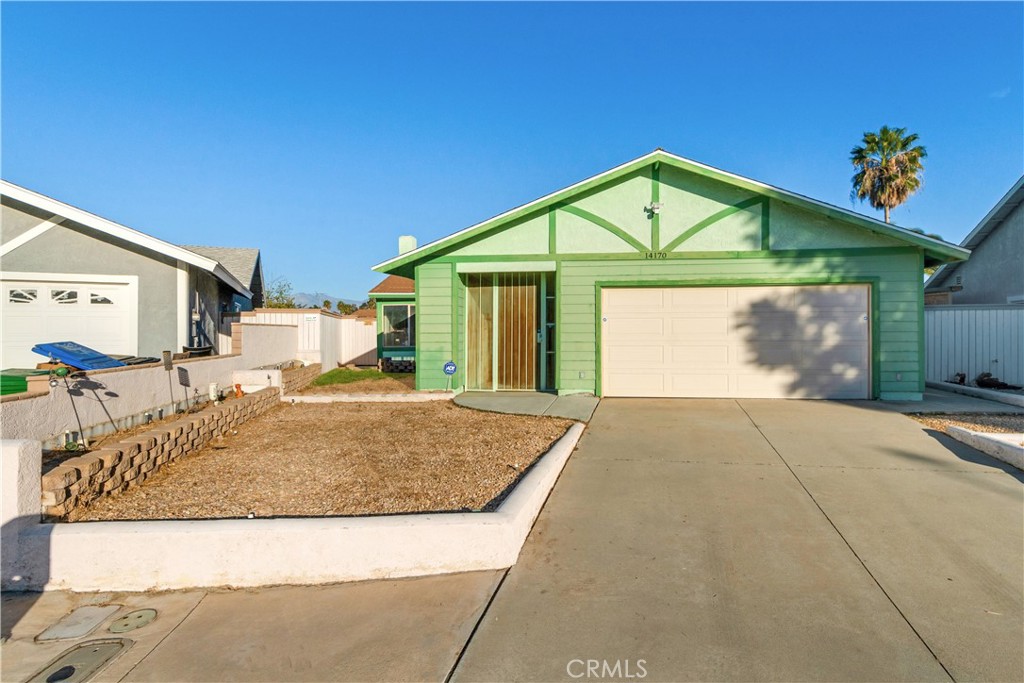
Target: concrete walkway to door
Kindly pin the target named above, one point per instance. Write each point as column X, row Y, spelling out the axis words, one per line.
column 722, row 540
column 579, row 407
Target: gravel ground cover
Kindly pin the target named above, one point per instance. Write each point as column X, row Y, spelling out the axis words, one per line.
column 316, row 460
column 1006, row 424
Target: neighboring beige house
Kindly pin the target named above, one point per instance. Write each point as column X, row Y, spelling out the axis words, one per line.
column 995, row 272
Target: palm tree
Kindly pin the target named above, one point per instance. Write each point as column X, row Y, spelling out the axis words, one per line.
column 888, row 168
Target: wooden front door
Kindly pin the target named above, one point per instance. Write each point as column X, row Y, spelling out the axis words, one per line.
column 503, row 331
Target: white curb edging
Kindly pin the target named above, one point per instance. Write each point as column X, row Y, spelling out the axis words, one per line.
column 1005, row 447
column 164, row 555
column 977, row 392
column 367, row 398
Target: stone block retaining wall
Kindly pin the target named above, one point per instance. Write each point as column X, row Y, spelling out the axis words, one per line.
column 293, row 380
column 120, row 466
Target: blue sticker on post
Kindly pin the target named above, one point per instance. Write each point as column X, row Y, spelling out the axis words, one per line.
column 450, row 368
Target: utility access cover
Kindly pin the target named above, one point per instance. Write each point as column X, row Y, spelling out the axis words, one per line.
column 80, row 662
column 132, row 621
column 79, row 623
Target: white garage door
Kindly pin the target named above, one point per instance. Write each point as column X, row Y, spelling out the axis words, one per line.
column 736, row 342
column 100, row 315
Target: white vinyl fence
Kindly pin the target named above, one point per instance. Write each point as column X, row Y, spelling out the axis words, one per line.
column 324, row 338
column 972, row 340
column 347, row 341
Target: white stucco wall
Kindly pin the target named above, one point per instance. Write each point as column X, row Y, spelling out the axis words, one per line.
column 19, row 512
column 111, row 395
column 136, row 556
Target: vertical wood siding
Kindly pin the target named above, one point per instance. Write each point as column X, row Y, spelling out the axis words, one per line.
column 972, row 340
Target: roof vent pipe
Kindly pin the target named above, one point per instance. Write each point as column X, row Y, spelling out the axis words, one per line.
column 406, row 243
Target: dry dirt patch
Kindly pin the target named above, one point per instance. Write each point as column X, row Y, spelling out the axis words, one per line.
column 1004, row 424
column 316, row 459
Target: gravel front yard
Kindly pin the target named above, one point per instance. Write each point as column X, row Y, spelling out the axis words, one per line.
column 316, row 460
column 979, row 423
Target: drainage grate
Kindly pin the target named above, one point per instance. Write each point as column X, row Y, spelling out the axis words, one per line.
column 133, row 620
column 79, row 623
column 80, row 662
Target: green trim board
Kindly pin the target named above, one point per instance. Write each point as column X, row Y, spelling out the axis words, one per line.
column 455, row 329
column 544, row 259
column 766, row 233
column 552, row 232
column 655, row 199
column 922, row 357
column 416, row 350
column 936, row 249
column 499, row 266
column 389, row 296
column 558, row 330
column 872, row 283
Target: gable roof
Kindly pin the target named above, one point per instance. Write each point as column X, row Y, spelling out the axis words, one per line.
column 993, row 219
column 89, row 220
column 239, row 261
column 363, row 314
column 395, row 284
column 938, row 250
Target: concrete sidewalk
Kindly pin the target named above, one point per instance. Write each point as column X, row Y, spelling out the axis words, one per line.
column 765, row 540
column 403, row 630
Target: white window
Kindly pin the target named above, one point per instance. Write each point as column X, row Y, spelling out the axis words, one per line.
column 64, row 297
column 22, row 296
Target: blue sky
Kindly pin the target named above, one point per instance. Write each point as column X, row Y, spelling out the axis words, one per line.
column 320, row 132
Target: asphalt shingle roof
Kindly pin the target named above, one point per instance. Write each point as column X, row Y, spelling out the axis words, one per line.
column 239, row 261
column 393, row 284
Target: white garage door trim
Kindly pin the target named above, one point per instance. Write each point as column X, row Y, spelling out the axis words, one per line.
column 129, row 282
column 750, row 340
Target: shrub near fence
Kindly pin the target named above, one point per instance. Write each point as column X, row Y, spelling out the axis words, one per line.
column 120, row 466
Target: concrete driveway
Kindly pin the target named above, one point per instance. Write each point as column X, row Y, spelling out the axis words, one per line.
column 764, row 540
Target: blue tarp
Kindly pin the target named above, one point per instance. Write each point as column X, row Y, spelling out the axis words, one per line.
column 76, row 355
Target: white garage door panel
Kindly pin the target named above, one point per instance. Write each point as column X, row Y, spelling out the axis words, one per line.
column 98, row 314
column 648, row 384
column 755, row 342
column 704, row 384
column 705, row 355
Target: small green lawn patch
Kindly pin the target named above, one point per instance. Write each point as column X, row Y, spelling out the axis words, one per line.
column 348, row 375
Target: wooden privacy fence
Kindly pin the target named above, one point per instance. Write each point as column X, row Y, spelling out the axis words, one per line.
column 972, row 340
column 323, row 337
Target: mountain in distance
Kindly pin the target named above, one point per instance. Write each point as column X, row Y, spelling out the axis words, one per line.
column 305, row 300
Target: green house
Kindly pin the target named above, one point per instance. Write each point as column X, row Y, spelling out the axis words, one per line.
column 664, row 277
